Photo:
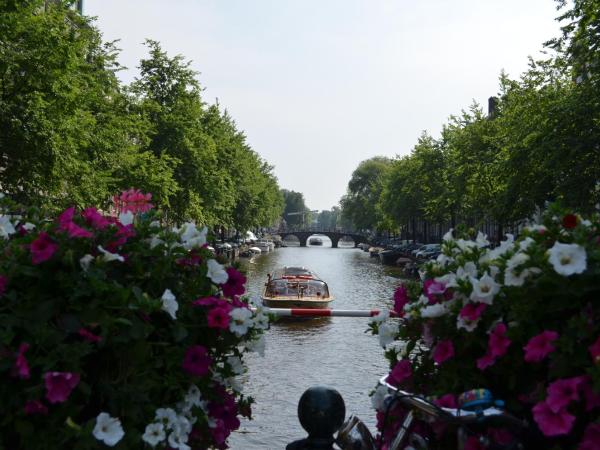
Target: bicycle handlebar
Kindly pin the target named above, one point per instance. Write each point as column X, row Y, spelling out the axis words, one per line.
column 490, row 415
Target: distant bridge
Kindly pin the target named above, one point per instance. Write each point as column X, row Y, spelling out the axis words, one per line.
column 334, row 235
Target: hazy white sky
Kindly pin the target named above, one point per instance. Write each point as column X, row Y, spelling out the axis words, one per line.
column 320, row 85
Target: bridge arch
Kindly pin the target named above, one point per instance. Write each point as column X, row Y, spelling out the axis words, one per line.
column 335, row 236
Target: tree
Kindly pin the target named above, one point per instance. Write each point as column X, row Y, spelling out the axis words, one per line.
column 294, row 204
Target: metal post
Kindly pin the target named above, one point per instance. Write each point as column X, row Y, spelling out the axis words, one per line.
column 321, row 411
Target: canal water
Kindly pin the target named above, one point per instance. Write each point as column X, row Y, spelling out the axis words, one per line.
column 332, row 351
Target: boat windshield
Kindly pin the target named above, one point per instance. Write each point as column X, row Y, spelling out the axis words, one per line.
column 294, row 271
column 298, row 288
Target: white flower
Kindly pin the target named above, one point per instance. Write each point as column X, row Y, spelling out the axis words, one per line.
column 167, row 416
column 192, row 237
column 465, row 245
column 178, row 441
column 481, row 240
column 108, row 429
column 193, row 398
column 257, row 345
column 169, row 303
column 29, row 226
column 126, row 218
column 378, row 397
column 502, row 248
column 448, row 236
column 448, row 280
column 484, row 289
column 387, row 333
column 85, row 261
column 537, row 228
column 154, row 434
column 108, row 256
column 155, row 241
column 525, row 243
column 236, row 364
column 155, row 224
column 461, row 322
column 568, row 259
column 380, row 317
column 241, row 320
column 586, row 223
column 444, row 260
column 261, row 320
column 433, row 311
column 216, row 272
column 6, row 227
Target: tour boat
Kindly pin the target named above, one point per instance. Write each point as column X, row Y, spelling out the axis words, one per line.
column 296, row 287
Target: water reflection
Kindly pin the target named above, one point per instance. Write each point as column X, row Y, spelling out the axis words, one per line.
column 333, row 351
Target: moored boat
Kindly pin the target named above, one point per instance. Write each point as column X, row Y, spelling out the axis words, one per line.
column 296, row 287
column 315, row 241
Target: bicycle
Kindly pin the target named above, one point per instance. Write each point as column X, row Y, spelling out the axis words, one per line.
column 477, row 411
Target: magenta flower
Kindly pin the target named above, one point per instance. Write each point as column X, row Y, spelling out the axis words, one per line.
column 562, row 392
column 595, row 351
column 446, row 401
column 94, row 218
column 443, row 351
column 472, row 311
column 432, row 288
column 473, row 443
column 21, row 368
column 485, row 361
column 121, row 236
column 88, row 335
column 400, row 299
column 3, row 283
column 552, row 423
column 42, row 248
column 498, row 342
column 402, row 371
column 591, row 437
column 197, row 361
column 59, row 385
column 35, row 407
column 234, row 284
column 133, row 200
column 540, row 346
column 219, row 317
column 66, row 224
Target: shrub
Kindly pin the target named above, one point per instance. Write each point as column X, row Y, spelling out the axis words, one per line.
column 118, row 331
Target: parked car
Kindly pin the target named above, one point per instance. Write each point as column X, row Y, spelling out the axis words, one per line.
column 427, row 250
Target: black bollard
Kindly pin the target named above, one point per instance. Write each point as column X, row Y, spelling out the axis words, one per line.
column 321, row 411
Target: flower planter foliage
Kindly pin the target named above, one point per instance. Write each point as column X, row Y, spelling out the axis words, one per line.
column 117, row 331
column 520, row 319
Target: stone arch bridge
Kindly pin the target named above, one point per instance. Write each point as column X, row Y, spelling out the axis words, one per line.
column 334, row 235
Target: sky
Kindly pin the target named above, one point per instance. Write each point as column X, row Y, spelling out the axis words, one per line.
column 318, row 86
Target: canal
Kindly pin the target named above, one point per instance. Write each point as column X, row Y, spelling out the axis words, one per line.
column 332, row 351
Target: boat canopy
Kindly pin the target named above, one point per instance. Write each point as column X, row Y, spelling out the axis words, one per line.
column 282, row 287
column 297, row 271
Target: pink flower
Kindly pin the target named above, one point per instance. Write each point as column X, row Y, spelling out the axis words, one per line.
column 197, row 361
column 432, row 288
column 446, row 401
column 400, row 299
column 552, row 423
column 234, row 284
column 42, row 248
column 66, row 224
column 94, row 218
column 59, row 385
column 540, row 346
column 562, row 392
column 218, row 317
column 591, row 437
column 472, row 311
column 443, row 351
column 498, row 342
column 133, row 200
column 88, row 335
column 21, row 368
column 3, row 283
column 501, row 436
column 123, row 233
column 595, row 351
column 35, row 407
column 402, row 371
column 485, row 361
